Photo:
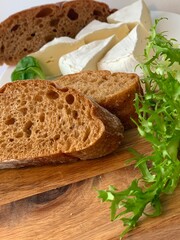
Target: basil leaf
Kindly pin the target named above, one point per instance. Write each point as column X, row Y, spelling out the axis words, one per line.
column 27, row 68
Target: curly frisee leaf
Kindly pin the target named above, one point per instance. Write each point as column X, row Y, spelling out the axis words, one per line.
column 159, row 124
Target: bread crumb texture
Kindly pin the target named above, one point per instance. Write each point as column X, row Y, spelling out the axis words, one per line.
column 88, row 82
column 114, row 91
column 39, row 119
column 34, row 27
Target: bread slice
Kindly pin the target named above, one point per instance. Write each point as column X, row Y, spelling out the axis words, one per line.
column 41, row 123
column 114, row 91
column 27, row 31
column 1, row 44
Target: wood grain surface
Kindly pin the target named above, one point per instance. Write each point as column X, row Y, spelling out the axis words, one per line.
column 60, row 202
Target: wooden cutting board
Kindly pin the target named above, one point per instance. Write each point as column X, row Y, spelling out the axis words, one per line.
column 60, row 202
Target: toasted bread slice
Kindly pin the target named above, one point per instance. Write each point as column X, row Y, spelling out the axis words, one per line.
column 41, row 123
column 114, row 91
column 27, row 31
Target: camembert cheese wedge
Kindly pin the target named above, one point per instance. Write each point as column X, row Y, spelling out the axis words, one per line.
column 86, row 57
column 48, row 56
column 126, row 54
column 136, row 13
column 97, row 30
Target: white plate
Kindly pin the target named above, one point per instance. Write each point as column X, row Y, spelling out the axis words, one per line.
column 169, row 26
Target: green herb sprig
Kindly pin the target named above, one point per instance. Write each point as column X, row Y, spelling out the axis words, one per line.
column 159, row 124
column 27, row 68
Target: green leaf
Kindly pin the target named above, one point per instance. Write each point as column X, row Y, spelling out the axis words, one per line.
column 159, row 123
column 27, row 68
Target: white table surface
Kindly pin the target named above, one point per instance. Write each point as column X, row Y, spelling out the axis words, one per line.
column 9, row 7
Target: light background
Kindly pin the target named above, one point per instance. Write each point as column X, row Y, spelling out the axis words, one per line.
column 8, row 7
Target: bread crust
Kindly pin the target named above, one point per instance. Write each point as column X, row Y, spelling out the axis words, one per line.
column 34, row 27
column 109, row 128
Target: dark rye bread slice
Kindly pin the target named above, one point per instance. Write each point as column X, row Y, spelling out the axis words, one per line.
column 114, row 91
column 27, row 31
column 41, row 123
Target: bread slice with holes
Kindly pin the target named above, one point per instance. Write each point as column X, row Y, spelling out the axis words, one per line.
column 41, row 123
column 114, row 91
column 27, row 31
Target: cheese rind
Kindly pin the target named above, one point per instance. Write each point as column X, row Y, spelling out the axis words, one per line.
column 97, row 30
column 136, row 13
column 125, row 55
column 86, row 57
column 48, row 56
